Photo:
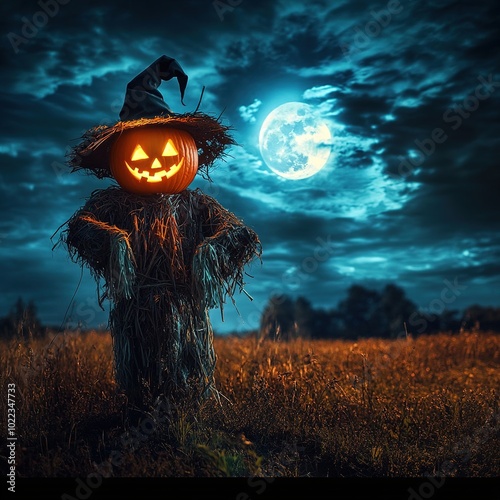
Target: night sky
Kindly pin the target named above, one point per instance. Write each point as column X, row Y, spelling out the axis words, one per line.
column 409, row 90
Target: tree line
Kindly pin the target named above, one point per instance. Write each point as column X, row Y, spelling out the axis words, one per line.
column 362, row 313
column 22, row 322
column 365, row 312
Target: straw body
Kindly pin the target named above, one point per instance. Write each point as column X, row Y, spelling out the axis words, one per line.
column 163, row 261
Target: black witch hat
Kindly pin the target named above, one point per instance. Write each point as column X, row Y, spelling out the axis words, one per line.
column 144, row 107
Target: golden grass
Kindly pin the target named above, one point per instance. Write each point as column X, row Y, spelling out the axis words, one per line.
column 372, row 408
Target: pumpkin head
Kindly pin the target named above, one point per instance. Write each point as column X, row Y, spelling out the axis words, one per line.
column 148, row 160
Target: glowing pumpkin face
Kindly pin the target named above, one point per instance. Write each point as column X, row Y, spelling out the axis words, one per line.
column 154, row 160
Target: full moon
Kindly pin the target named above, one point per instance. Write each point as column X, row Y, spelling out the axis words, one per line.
column 294, row 142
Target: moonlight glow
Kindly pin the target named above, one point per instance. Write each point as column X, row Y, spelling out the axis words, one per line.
column 294, row 142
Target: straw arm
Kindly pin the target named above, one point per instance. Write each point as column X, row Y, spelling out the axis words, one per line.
column 105, row 249
column 225, row 230
column 219, row 260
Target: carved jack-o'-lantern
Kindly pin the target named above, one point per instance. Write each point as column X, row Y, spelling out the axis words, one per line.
column 154, row 160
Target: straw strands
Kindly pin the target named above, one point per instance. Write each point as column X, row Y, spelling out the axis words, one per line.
column 163, row 261
column 210, row 135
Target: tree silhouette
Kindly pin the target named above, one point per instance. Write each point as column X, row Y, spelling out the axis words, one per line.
column 361, row 313
column 367, row 313
column 22, row 321
column 395, row 309
column 278, row 319
column 304, row 317
column 482, row 318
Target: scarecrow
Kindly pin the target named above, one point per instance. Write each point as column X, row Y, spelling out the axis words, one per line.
column 162, row 254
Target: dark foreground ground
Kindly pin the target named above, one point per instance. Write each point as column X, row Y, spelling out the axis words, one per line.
column 348, row 413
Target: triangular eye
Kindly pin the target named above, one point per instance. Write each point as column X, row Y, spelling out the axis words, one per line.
column 139, row 153
column 170, row 149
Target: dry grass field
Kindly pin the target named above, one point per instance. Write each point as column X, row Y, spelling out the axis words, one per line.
column 304, row 408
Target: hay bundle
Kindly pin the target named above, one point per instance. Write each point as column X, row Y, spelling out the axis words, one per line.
column 163, row 261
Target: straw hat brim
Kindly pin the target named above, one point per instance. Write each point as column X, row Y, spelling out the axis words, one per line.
column 210, row 135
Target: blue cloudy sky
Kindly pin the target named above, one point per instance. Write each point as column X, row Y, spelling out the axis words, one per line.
column 408, row 89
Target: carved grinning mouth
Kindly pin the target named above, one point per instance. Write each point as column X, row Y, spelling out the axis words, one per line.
column 156, row 176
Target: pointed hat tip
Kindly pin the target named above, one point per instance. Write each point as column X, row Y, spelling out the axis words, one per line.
column 142, row 97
